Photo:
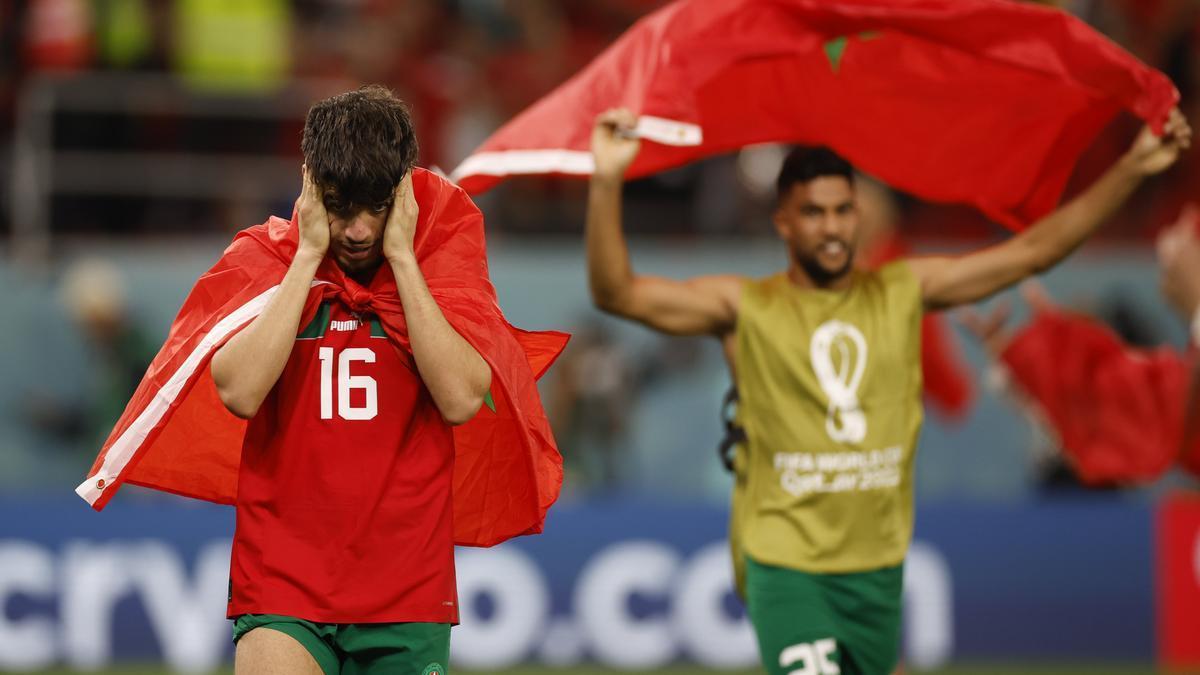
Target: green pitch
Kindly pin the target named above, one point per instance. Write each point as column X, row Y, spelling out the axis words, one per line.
column 957, row 670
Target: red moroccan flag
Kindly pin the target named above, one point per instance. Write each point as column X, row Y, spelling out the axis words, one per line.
column 982, row 102
column 176, row 436
column 1119, row 412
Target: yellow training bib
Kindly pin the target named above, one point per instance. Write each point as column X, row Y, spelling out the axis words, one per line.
column 830, row 399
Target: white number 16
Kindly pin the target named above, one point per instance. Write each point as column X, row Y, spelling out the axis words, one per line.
column 346, row 384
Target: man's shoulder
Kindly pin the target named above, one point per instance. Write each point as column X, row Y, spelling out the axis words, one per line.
column 727, row 287
column 773, row 280
column 898, row 287
column 275, row 232
column 896, row 271
column 748, row 292
column 895, row 277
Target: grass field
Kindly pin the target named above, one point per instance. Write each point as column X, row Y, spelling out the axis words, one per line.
column 958, row 670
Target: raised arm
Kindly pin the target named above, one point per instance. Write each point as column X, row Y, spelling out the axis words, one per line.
column 455, row 374
column 698, row 306
column 950, row 281
column 247, row 366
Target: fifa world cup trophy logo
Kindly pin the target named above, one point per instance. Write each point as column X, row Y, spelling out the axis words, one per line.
column 839, row 355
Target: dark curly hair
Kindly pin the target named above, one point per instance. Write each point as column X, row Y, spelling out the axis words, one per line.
column 803, row 164
column 359, row 145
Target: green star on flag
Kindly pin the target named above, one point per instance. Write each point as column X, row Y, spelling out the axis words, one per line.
column 835, row 49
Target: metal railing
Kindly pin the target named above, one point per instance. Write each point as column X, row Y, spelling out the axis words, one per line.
column 43, row 170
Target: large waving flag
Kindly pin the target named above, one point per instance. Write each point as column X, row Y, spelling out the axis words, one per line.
column 983, row 102
column 176, row 436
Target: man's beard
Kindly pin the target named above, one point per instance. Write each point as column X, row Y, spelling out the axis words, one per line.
column 821, row 275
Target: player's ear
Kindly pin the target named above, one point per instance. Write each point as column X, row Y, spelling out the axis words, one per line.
column 779, row 219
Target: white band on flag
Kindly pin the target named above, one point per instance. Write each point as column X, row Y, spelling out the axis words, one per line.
column 572, row 162
column 130, row 441
column 669, row 132
column 517, row 162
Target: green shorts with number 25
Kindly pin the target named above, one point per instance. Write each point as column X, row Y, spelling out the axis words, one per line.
column 825, row 624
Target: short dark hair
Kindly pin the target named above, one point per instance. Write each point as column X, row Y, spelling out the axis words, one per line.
column 804, row 163
column 360, row 144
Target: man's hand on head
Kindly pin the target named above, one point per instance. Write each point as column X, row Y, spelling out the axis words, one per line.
column 400, row 230
column 313, row 220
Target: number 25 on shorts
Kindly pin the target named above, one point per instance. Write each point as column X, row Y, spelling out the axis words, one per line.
column 347, row 383
column 810, row 658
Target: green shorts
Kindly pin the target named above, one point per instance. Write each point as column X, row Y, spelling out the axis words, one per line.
column 362, row 648
column 825, row 624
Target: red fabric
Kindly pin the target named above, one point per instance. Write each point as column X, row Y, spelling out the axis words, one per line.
column 1177, row 577
column 180, row 439
column 931, row 96
column 1119, row 412
column 346, row 520
column 947, row 377
column 1191, row 425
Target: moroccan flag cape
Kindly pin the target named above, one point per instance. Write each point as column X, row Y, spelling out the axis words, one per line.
column 1120, row 412
column 176, row 436
column 982, row 102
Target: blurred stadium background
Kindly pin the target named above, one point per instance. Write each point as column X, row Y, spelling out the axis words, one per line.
column 137, row 135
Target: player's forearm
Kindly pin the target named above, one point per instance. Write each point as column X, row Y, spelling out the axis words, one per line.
column 1054, row 237
column 610, row 274
column 455, row 374
column 247, row 367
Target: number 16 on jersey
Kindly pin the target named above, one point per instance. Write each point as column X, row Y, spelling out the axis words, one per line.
column 347, row 383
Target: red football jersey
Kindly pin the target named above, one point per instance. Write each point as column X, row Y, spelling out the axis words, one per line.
column 344, row 508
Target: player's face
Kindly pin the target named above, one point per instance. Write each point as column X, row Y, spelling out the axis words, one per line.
column 356, row 234
column 819, row 222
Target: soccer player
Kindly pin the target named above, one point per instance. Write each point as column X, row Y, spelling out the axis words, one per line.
column 826, row 359
column 343, row 557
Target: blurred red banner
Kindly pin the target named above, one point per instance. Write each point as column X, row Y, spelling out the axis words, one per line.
column 1179, row 583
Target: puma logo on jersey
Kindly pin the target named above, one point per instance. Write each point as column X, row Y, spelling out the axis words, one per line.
column 321, row 324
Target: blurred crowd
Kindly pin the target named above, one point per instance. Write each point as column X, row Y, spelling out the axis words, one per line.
column 449, row 59
column 466, row 66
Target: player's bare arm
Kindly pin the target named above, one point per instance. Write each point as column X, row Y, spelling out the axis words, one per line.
column 950, row 281
column 455, row 374
column 698, row 306
column 247, row 367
